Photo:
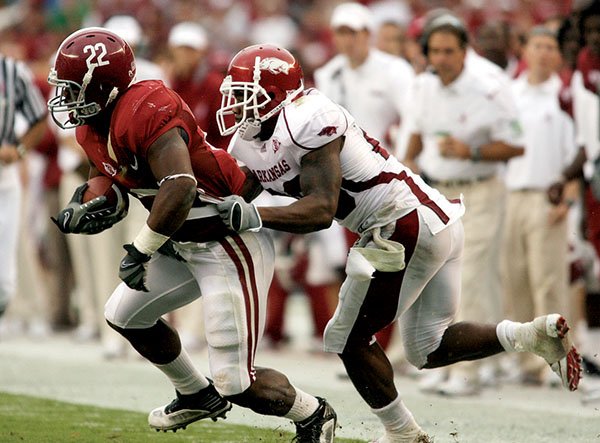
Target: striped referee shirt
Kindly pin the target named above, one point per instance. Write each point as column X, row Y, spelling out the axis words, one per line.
column 18, row 93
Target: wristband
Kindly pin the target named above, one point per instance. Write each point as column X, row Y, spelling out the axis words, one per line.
column 21, row 150
column 148, row 241
column 176, row 176
column 475, row 153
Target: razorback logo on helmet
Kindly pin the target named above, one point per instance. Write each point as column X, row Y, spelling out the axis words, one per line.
column 328, row 131
column 274, row 65
column 110, row 169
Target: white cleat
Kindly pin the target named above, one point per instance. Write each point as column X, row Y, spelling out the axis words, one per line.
column 548, row 337
column 413, row 435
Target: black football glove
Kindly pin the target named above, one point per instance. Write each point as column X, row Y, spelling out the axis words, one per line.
column 86, row 218
column 169, row 250
column 132, row 269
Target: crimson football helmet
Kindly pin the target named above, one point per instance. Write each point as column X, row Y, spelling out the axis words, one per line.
column 92, row 67
column 260, row 81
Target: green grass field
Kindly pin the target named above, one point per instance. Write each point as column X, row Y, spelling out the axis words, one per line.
column 33, row 420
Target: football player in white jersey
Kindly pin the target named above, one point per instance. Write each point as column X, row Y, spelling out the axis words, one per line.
column 406, row 263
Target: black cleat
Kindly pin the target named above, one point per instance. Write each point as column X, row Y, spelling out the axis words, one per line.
column 319, row 427
column 186, row 409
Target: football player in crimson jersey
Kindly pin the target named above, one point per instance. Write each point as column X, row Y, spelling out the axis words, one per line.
column 406, row 263
column 145, row 138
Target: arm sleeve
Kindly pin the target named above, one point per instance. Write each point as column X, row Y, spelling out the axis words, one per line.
column 568, row 142
column 401, row 79
column 506, row 126
column 412, row 119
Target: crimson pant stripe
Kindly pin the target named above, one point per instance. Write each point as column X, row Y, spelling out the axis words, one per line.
column 380, row 303
column 248, row 257
column 242, row 276
column 387, row 177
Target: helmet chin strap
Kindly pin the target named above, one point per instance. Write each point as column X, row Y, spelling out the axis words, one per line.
column 113, row 94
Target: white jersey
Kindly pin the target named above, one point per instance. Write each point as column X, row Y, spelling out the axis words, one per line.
column 549, row 135
column 376, row 188
column 375, row 92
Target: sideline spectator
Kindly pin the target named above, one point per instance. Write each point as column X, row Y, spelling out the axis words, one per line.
column 18, row 94
column 194, row 80
column 371, row 84
column 462, row 127
column 535, row 237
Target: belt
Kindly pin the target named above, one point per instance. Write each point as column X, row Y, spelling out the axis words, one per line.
column 528, row 190
column 456, row 181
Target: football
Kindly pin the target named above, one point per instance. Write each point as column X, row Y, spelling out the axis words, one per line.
column 102, row 185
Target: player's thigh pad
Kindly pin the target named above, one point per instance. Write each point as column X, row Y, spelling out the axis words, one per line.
column 427, row 255
column 171, row 285
column 423, row 324
column 234, row 290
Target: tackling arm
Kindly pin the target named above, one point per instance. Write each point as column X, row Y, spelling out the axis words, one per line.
column 252, row 186
column 320, row 182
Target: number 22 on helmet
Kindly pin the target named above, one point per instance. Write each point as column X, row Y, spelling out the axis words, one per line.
column 92, row 67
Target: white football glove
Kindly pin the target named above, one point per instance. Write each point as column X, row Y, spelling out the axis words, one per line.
column 239, row 215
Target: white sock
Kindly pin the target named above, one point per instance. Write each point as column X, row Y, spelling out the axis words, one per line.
column 183, row 374
column 304, row 406
column 395, row 417
column 505, row 331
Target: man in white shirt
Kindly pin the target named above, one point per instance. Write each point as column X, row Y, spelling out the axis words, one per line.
column 371, row 84
column 462, row 126
column 18, row 96
column 534, row 260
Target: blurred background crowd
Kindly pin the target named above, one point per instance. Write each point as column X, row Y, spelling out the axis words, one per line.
column 63, row 282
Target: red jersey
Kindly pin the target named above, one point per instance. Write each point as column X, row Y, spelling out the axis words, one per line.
column 204, row 99
column 146, row 111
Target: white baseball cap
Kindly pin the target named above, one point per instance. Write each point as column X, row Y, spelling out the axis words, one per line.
column 353, row 15
column 125, row 27
column 189, row 34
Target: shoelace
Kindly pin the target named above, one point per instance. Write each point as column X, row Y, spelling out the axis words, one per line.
column 209, row 401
